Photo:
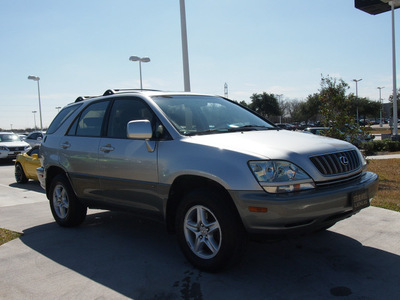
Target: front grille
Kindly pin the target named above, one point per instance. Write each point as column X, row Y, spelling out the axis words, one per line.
column 337, row 163
column 16, row 148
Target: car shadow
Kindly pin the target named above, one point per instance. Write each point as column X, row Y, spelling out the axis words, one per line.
column 6, row 162
column 31, row 185
column 138, row 259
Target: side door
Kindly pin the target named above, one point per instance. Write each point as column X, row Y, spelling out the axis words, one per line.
column 32, row 162
column 79, row 149
column 128, row 169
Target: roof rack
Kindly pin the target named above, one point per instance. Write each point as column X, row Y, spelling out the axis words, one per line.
column 116, row 91
column 82, row 98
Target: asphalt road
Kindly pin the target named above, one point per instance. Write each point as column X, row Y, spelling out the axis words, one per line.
column 115, row 256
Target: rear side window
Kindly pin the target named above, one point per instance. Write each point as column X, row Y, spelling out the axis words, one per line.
column 90, row 121
column 61, row 117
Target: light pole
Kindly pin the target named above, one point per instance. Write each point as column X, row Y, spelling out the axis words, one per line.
column 58, row 108
column 380, row 102
column 34, row 117
column 140, row 60
column 185, row 52
column 395, row 117
column 374, row 8
column 356, row 81
column 35, row 78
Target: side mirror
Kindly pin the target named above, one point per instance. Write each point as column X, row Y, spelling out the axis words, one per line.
column 140, row 129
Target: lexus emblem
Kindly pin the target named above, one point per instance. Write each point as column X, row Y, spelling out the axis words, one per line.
column 344, row 160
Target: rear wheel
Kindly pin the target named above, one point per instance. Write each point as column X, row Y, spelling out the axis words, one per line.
column 20, row 176
column 210, row 233
column 67, row 210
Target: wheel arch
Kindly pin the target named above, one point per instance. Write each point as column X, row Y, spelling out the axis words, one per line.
column 186, row 183
column 51, row 173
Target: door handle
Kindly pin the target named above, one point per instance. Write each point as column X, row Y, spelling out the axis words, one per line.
column 107, row 148
column 65, row 145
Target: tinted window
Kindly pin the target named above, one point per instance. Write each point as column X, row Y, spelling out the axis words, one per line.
column 125, row 110
column 34, row 151
column 61, row 117
column 33, row 136
column 90, row 121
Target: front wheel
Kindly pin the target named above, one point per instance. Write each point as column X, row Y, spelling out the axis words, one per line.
column 210, row 233
column 67, row 210
column 20, row 176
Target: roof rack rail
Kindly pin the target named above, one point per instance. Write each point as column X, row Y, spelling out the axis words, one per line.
column 116, row 91
column 82, row 98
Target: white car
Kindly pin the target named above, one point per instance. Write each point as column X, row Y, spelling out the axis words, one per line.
column 35, row 138
column 11, row 145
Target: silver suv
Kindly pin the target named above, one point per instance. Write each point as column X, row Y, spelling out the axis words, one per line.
column 215, row 172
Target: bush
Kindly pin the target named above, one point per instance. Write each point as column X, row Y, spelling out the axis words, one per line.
column 372, row 147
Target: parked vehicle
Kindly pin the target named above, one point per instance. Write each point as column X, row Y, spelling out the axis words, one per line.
column 26, row 165
column 35, row 138
column 286, row 126
column 359, row 137
column 215, row 172
column 11, row 146
column 316, row 130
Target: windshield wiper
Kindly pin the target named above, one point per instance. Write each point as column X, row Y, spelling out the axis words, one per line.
column 209, row 131
column 250, row 128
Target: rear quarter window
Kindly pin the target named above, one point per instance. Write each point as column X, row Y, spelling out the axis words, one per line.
column 61, row 117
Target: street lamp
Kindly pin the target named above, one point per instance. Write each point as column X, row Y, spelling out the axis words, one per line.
column 140, row 60
column 374, row 8
column 356, row 81
column 58, row 108
column 380, row 101
column 35, row 78
column 185, row 51
column 34, row 117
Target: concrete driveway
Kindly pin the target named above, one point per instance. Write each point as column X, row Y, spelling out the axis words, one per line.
column 116, row 256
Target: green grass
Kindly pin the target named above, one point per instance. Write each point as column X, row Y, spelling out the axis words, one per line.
column 8, row 235
column 388, row 195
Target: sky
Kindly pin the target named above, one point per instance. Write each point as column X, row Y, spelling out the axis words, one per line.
column 82, row 48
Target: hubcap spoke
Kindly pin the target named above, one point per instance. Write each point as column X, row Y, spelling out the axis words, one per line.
column 60, row 201
column 202, row 232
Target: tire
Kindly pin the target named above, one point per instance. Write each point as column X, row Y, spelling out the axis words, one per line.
column 210, row 233
column 20, row 176
column 67, row 210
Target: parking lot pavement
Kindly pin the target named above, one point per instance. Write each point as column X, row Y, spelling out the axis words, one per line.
column 116, row 256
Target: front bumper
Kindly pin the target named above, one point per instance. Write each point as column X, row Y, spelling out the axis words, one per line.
column 302, row 212
column 41, row 178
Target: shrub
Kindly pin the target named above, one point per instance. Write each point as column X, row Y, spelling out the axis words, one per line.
column 372, row 147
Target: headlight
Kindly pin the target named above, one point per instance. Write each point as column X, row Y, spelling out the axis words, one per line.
column 4, row 148
column 277, row 176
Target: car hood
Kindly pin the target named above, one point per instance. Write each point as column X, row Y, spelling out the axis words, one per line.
column 14, row 144
column 273, row 144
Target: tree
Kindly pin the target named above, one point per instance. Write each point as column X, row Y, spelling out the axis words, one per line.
column 311, row 108
column 293, row 110
column 335, row 109
column 398, row 103
column 265, row 104
column 243, row 103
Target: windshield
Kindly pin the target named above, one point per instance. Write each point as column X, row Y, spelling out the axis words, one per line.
column 9, row 138
column 194, row 115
